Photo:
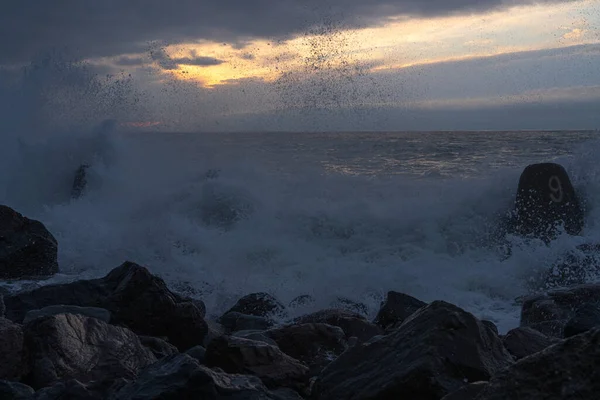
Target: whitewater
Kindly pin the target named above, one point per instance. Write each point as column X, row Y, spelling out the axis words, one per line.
column 331, row 215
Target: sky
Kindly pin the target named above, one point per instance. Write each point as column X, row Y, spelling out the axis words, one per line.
column 322, row 65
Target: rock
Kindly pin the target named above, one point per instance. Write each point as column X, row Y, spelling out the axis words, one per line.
column 343, row 303
column 258, row 304
column 235, row 321
column 271, row 365
column 13, row 364
column 301, row 301
column 72, row 389
column 27, row 249
column 158, row 347
column 566, row 370
column 467, row 392
column 545, row 199
column 316, row 345
column 92, row 312
column 434, row 352
column 182, row 377
column 255, row 335
column 352, row 323
column 522, row 342
column 214, row 330
column 286, row 394
column 2, row 306
column 550, row 311
column 491, row 325
column 135, row 298
column 70, row 346
column 79, row 181
column 15, row 391
column 585, row 318
column 198, row 353
column 396, row 308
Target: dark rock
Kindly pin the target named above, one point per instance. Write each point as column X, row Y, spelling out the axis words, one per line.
column 316, row 345
column 258, row 304
column 552, row 328
column 2, row 306
column 72, row 389
column 545, row 199
column 352, row 323
column 585, row 318
column 490, row 325
column 255, row 335
column 235, row 321
column 286, row 394
column 271, row 365
column 182, row 377
column 92, row 312
column 198, row 353
column 79, row 181
column 566, row 370
column 522, row 342
column 136, row 299
column 15, row 391
column 468, row 392
column 214, row 330
column 158, row 347
column 27, row 249
column 70, row 346
column 343, row 303
column 301, row 301
column 396, row 308
column 434, row 352
column 13, row 363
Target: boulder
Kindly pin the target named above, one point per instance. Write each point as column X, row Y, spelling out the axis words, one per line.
column 13, row 364
column 2, row 306
column 352, row 323
column 27, row 248
column 182, row 377
column 396, row 308
column 546, row 199
column 343, row 303
column 198, row 353
column 271, row 365
column 436, row 351
column 316, row 345
column 235, row 321
column 71, row 346
column 258, row 304
column 72, row 389
column 135, row 298
column 15, row 391
column 92, row 312
column 522, row 342
column 255, row 335
column 566, row 370
column 585, row 318
column 467, row 392
column 158, row 347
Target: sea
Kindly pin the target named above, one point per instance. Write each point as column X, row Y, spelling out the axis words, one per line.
column 340, row 216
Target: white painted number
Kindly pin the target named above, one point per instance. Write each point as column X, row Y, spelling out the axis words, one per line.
column 556, row 190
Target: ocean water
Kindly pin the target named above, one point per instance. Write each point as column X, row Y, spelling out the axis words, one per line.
column 332, row 215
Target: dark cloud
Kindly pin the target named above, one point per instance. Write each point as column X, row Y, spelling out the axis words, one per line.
column 199, row 61
column 113, row 27
column 130, row 61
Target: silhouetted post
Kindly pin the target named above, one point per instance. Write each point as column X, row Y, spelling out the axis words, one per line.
column 546, row 199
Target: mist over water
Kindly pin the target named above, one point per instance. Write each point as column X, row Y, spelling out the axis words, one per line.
column 327, row 214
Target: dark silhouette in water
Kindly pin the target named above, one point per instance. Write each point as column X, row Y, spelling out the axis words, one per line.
column 80, row 181
column 546, row 199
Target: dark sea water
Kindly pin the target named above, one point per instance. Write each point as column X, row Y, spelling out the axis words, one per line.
column 327, row 214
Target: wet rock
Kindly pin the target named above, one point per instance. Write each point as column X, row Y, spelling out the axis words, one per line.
column 585, row 318
column 92, row 312
column 352, row 323
column 235, row 321
column 316, row 345
column 214, row 330
column 13, row 363
column 433, row 353
column 182, row 377
column 396, row 308
column 135, row 298
column 258, row 304
column 566, row 370
column 490, row 325
column 27, row 248
column 271, row 365
column 343, row 303
column 255, row 335
column 522, row 342
column 2, row 306
column 70, row 346
column 15, row 391
column 158, row 347
column 198, row 353
column 467, row 392
column 72, row 389
column 553, row 328
column 79, row 181
column 546, row 199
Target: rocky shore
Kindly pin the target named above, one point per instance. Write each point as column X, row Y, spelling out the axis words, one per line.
column 128, row 336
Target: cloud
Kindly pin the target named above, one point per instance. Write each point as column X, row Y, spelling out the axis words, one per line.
column 199, row 61
column 114, row 27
